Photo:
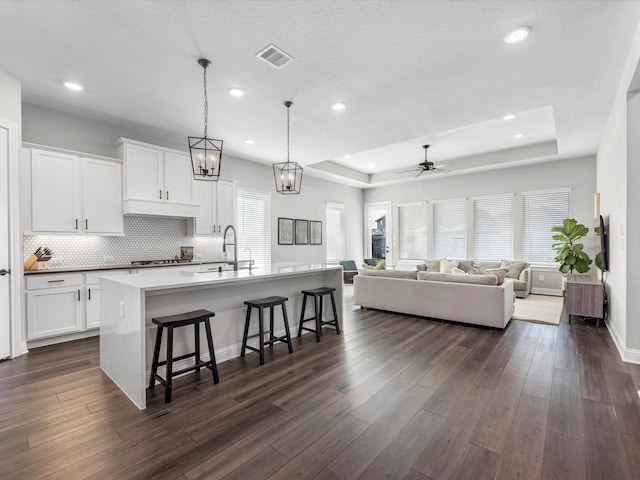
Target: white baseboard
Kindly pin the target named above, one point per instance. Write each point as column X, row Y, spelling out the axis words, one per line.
column 546, row 291
column 62, row 338
column 630, row 355
column 23, row 348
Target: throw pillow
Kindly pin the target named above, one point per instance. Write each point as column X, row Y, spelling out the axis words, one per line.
column 447, row 266
column 421, row 267
column 497, row 272
column 500, row 274
column 458, row 271
column 477, row 270
column 366, row 266
column 380, row 265
column 432, row 265
column 514, row 269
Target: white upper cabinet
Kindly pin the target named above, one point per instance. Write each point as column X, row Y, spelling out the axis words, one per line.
column 70, row 193
column 217, row 206
column 102, row 196
column 157, row 181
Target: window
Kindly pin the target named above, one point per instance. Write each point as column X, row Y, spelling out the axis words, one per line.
column 493, row 227
column 412, row 223
column 542, row 210
column 450, row 228
column 335, row 232
column 254, row 226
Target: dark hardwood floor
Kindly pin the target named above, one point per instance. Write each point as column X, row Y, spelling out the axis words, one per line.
column 393, row 397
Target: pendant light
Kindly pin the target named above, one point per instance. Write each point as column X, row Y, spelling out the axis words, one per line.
column 206, row 153
column 287, row 175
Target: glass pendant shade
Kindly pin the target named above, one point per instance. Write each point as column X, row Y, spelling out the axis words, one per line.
column 206, row 153
column 288, row 175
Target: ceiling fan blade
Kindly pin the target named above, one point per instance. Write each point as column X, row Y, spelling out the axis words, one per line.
column 412, row 170
column 420, row 173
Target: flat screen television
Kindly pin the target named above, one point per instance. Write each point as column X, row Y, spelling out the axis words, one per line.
column 604, row 245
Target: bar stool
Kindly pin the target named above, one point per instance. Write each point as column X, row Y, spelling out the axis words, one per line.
column 261, row 304
column 170, row 322
column 318, row 301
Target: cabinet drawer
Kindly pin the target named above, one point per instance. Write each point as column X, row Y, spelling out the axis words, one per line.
column 52, row 280
column 93, row 278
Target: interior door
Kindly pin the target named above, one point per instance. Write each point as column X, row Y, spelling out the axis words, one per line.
column 5, row 284
column 379, row 231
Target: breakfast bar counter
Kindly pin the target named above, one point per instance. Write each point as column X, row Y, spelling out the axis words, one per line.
column 129, row 302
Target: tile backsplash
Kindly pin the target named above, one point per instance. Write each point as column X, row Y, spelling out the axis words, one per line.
column 145, row 238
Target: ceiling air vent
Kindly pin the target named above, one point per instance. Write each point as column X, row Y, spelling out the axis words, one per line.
column 274, row 56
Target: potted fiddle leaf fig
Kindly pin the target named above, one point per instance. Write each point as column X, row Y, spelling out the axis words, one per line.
column 570, row 254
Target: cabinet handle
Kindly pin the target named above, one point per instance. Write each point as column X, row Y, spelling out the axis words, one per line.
column 160, row 194
column 89, row 294
column 86, row 224
column 54, row 281
column 78, row 294
column 76, row 223
column 167, row 194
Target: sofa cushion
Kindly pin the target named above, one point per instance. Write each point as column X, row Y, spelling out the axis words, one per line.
column 487, row 264
column 465, row 264
column 390, row 274
column 514, row 268
column 519, row 284
column 459, row 271
column 432, row 265
column 446, row 266
column 498, row 272
column 449, row 277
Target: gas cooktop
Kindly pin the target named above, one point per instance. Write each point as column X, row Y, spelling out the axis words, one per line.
column 160, row 262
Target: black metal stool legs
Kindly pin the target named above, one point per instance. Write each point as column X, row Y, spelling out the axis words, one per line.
column 156, row 354
column 169, row 376
column 212, row 353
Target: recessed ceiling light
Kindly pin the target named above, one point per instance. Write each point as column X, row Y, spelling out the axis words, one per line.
column 517, row 35
column 339, row 106
column 509, row 116
column 248, row 141
column 347, row 157
column 73, row 86
column 518, row 135
column 236, row 92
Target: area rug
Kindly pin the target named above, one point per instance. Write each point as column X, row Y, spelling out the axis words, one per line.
column 539, row 309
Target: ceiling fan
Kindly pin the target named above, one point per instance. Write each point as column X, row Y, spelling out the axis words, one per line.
column 427, row 166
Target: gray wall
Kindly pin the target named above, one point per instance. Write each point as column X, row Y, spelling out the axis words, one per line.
column 51, row 128
column 578, row 174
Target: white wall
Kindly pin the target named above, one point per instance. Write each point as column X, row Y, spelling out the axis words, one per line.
column 578, row 174
column 52, row 128
column 615, row 177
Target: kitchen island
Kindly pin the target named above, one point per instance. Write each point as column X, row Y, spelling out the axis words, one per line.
column 129, row 302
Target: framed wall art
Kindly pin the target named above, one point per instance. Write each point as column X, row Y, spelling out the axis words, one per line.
column 302, row 232
column 285, row 231
column 315, row 232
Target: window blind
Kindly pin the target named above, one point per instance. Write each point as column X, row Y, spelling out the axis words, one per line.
column 542, row 210
column 254, row 226
column 412, row 223
column 450, row 228
column 335, row 232
column 493, row 227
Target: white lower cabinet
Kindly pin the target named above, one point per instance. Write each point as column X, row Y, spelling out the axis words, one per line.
column 54, row 305
column 60, row 304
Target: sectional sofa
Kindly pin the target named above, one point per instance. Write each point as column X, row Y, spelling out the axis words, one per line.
column 473, row 299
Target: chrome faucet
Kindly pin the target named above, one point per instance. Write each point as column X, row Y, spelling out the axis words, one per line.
column 235, row 246
column 250, row 261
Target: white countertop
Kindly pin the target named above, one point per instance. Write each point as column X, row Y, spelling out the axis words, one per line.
column 177, row 278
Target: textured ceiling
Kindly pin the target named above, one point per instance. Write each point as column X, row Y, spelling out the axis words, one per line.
column 410, row 72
